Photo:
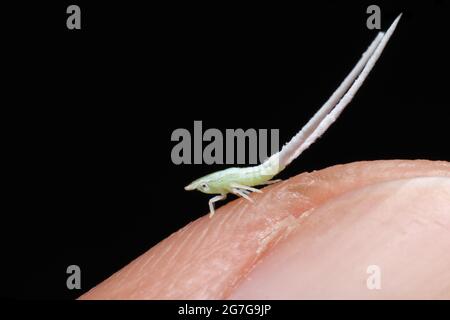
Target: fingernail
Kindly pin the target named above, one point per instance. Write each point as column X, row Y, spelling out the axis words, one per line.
column 386, row 241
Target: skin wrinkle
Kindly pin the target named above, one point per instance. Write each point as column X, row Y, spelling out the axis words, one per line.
column 242, row 211
column 161, row 257
column 267, row 241
column 275, row 235
column 197, row 240
column 202, row 236
column 241, row 233
column 182, row 247
column 213, row 232
column 153, row 262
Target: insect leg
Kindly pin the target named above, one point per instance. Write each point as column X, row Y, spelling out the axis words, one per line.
column 241, row 193
column 246, row 192
column 212, row 201
column 241, row 186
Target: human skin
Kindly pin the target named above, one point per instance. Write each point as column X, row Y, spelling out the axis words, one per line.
column 313, row 236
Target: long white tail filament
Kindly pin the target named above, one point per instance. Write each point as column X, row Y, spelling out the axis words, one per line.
column 331, row 110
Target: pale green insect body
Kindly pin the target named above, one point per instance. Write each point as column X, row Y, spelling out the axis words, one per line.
column 224, row 181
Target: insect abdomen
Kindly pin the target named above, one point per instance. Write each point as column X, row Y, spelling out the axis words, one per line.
column 255, row 176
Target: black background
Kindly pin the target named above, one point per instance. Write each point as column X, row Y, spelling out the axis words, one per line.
column 90, row 113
